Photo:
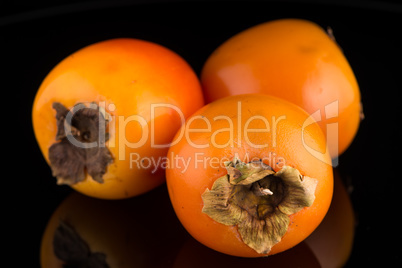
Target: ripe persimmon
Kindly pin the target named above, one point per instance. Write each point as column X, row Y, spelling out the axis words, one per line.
column 105, row 114
column 296, row 60
column 243, row 177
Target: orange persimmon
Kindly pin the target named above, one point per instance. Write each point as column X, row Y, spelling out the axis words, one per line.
column 296, row 60
column 249, row 175
column 105, row 115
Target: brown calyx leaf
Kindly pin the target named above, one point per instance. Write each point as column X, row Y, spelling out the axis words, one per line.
column 262, row 234
column 81, row 149
column 301, row 188
column 216, row 203
column 258, row 201
column 246, row 173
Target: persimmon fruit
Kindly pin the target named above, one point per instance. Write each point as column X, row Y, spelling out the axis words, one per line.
column 105, row 115
column 242, row 176
column 294, row 59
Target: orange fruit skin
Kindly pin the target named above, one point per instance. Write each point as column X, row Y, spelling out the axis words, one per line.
column 293, row 59
column 127, row 76
column 285, row 146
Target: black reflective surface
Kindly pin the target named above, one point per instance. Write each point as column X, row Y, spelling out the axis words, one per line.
column 34, row 41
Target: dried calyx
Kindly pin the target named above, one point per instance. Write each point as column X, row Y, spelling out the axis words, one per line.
column 258, row 201
column 80, row 148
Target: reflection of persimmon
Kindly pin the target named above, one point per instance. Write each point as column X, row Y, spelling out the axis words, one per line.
column 332, row 241
column 118, row 233
column 293, row 59
column 256, row 190
column 196, row 255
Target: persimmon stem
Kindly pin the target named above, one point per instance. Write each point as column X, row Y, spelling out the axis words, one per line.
column 266, row 191
column 258, row 190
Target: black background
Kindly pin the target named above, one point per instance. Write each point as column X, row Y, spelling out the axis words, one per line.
column 35, row 37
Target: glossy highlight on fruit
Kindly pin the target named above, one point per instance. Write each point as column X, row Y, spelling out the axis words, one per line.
column 235, row 165
column 296, row 60
column 106, row 114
